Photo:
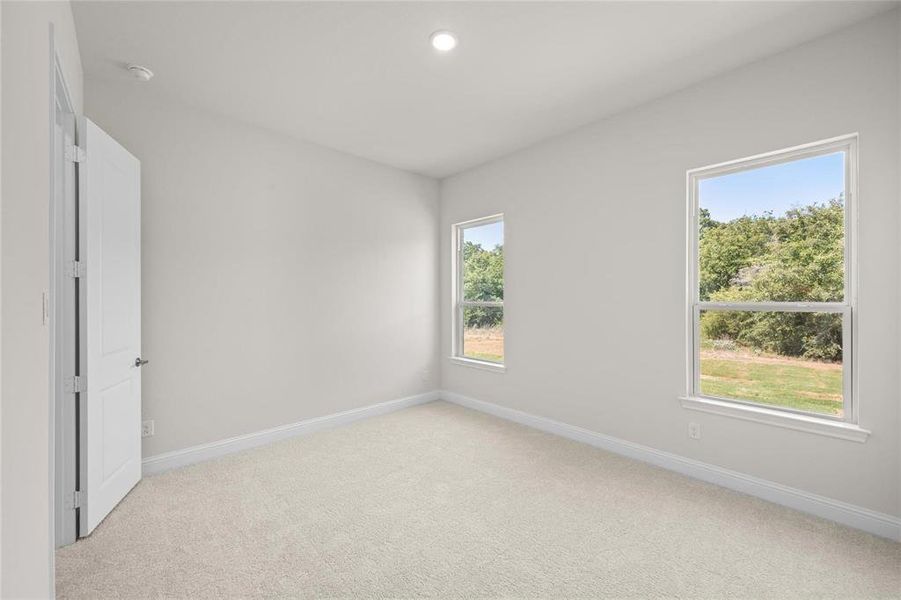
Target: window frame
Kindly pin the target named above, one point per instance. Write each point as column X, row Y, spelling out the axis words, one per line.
column 847, row 307
column 457, row 230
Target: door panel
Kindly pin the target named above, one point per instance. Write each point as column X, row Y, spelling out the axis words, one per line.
column 110, row 246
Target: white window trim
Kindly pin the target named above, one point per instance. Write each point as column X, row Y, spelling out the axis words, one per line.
column 458, row 303
column 475, row 363
column 759, row 413
column 845, row 427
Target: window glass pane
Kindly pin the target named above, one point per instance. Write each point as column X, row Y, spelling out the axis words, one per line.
column 483, row 262
column 775, row 233
column 483, row 333
column 785, row 359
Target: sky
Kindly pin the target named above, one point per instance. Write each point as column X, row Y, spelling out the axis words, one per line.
column 488, row 236
column 776, row 188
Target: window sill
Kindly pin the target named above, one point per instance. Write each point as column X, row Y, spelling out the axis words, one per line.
column 478, row 364
column 768, row 416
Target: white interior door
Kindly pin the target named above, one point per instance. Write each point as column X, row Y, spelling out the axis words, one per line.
column 109, row 206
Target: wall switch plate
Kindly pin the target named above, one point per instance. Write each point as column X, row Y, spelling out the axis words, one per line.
column 45, row 308
column 146, row 428
column 694, row 431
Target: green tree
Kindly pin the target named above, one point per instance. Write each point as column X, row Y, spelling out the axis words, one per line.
column 727, row 248
column 483, row 280
column 801, row 258
column 706, row 222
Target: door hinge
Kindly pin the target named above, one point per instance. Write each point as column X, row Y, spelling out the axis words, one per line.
column 76, row 154
column 77, row 269
column 76, row 499
column 76, row 384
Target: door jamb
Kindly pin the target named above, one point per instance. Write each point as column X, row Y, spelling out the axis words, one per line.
column 57, row 306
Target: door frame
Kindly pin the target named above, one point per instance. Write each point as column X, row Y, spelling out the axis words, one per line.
column 61, row 312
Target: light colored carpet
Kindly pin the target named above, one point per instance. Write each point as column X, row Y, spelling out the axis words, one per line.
column 440, row 501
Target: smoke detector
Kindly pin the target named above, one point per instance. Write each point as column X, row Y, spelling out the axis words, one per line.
column 140, row 73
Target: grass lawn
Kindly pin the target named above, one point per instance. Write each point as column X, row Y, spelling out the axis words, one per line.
column 484, row 344
column 776, row 380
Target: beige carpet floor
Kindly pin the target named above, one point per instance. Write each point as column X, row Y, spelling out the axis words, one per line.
column 441, row 501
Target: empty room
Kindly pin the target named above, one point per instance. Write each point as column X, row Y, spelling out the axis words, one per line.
column 324, row 299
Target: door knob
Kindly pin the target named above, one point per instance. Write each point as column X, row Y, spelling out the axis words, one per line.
column 139, row 362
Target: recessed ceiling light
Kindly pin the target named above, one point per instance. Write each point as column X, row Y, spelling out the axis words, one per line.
column 443, row 41
column 140, row 73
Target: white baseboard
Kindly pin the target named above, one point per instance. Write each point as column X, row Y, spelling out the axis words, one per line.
column 877, row 523
column 194, row 454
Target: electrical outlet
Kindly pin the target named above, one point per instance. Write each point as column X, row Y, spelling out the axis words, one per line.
column 694, row 431
column 146, row 428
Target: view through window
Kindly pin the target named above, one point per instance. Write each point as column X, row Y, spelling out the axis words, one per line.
column 771, row 311
column 480, row 290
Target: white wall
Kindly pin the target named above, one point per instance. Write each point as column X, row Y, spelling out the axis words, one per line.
column 1, row 302
column 899, row 245
column 595, row 235
column 26, row 542
column 281, row 280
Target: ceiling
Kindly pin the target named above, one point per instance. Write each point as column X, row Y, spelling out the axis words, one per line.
column 361, row 77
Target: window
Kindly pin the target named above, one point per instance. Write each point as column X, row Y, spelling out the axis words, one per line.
column 479, row 292
column 771, row 294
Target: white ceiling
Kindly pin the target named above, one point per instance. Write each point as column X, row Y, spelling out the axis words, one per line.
column 362, row 77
